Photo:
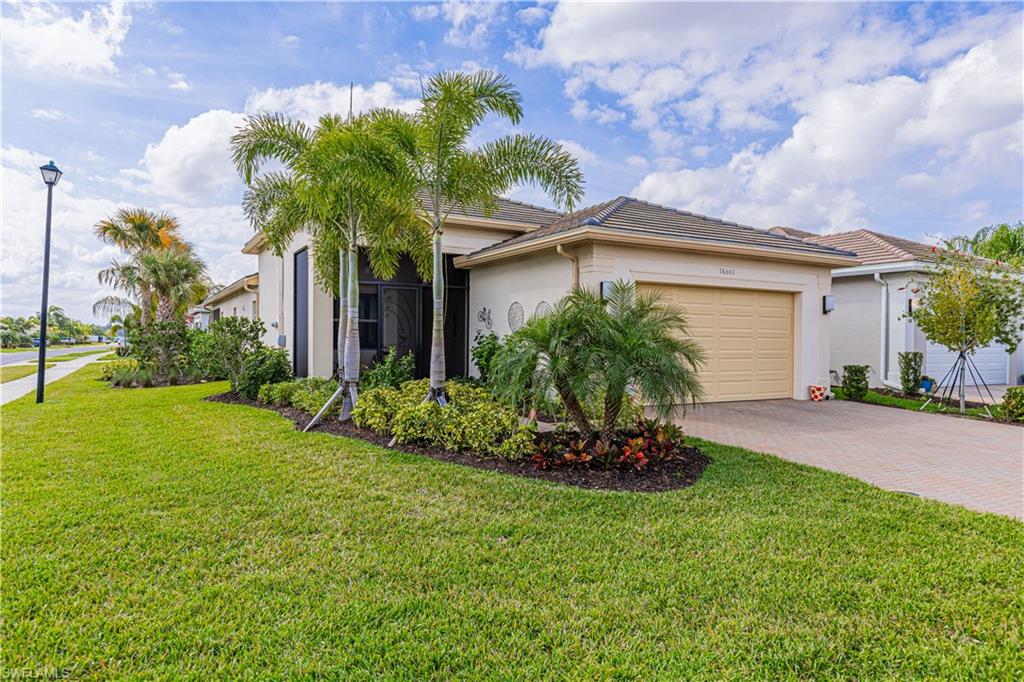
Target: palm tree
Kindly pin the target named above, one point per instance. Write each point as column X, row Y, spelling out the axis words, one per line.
column 134, row 231
column 1003, row 242
column 642, row 343
column 177, row 278
column 450, row 174
column 343, row 183
column 587, row 346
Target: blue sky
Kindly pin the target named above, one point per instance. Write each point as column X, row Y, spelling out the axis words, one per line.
column 903, row 118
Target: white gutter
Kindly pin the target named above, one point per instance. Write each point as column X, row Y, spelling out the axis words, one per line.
column 883, row 268
column 575, row 264
column 883, row 371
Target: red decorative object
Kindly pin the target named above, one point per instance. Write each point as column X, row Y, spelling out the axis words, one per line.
column 817, row 393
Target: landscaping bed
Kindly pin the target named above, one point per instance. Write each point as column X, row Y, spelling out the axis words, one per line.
column 894, row 399
column 683, row 470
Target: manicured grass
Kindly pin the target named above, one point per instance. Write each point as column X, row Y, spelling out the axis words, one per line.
column 148, row 533
column 876, row 398
column 12, row 372
column 74, row 356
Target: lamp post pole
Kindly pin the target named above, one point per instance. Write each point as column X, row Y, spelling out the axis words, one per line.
column 51, row 174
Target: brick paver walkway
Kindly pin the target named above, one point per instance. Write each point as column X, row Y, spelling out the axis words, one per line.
column 976, row 464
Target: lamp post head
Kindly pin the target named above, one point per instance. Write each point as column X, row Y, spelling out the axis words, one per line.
column 51, row 174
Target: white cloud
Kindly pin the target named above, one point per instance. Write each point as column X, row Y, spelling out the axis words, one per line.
column 960, row 126
column 637, row 161
column 193, row 161
column 290, row 41
column 52, row 115
column 50, row 36
column 532, row 15
column 582, row 154
column 309, row 102
column 470, row 21
column 178, row 81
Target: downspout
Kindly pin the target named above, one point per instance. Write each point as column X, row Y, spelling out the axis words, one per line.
column 883, row 372
column 575, row 264
column 245, row 287
column 281, row 338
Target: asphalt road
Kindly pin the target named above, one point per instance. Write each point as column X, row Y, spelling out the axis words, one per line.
column 33, row 354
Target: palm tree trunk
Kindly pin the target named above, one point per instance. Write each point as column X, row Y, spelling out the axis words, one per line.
column 165, row 309
column 351, row 372
column 145, row 307
column 574, row 410
column 342, row 309
column 612, row 408
column 437, row 369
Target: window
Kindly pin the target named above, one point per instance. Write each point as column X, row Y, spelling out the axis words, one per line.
column 368, row 320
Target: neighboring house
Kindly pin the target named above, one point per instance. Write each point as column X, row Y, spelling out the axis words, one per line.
column 754, row 299
column 239, row 299
column 870, row 326
column 198, row 317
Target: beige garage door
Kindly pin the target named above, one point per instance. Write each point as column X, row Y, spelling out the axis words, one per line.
column 747, row 337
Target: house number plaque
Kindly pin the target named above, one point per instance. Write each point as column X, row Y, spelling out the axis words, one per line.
column 727, row 271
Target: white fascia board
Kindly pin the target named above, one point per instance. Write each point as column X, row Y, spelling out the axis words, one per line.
column 882, row 268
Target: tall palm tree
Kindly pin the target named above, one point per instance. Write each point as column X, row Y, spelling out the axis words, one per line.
column 1003, row 242
column 134, row 231
column 451, row 174
column 342, row 184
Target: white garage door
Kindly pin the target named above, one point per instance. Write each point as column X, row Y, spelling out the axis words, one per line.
column 746, row 335
column 991, row 362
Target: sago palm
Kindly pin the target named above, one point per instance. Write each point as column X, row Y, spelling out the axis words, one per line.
column 450, row 174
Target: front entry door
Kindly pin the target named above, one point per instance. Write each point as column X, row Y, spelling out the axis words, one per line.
column 300, row 335
column 401, row 320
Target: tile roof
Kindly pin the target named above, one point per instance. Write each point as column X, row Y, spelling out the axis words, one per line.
column 633, row 216
column 874, row 248
column 507, row 209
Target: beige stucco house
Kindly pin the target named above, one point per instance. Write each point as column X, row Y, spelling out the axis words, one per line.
column 754, row 299
column 870, row 324
column 241, row 298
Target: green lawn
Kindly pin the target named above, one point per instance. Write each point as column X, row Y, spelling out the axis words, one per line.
column 12, row 372
column 147, row 533
column 876, row 398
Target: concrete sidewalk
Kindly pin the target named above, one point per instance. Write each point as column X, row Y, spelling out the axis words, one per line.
column 12, row 390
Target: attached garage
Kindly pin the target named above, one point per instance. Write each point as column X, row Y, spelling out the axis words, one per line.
column 747, row 336
column 991, row 362
column 754, row 299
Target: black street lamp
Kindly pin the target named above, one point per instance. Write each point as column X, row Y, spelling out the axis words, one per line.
column 51, row 174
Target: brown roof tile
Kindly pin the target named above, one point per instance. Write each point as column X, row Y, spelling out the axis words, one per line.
column 626, row 214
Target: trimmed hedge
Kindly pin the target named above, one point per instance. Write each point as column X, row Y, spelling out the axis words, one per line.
column 910, row 372
column 472, row 421
column 265, row 365
column 855, row 381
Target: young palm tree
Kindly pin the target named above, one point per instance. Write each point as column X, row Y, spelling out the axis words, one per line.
column 342, row 185
column 588, row 346
column 642, row 343
column 450, row 174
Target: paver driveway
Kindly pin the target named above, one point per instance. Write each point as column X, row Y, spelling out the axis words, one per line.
column 976, row 464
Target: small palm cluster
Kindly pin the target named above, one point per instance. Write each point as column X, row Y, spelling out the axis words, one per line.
column 630, row 344
column 160, row 275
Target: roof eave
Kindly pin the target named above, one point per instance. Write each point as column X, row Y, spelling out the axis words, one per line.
column 632, row 239
column 256, row 244
column 883, row 268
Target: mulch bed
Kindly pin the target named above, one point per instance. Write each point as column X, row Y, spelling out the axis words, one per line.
column 680, row 472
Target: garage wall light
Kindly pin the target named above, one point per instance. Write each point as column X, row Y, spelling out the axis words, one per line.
column 828, row 303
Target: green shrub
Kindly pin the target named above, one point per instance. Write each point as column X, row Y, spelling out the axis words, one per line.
column 472, row 421
column 485, row 349
column 1013, row 404
column 220, row 352
column 133, row 377
column 910, row 372
column 855, row 381
column 312, row 393
column 108, row 369
column 279, row 394
column 265, row 365
column 163, row 350
column 393, row 371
